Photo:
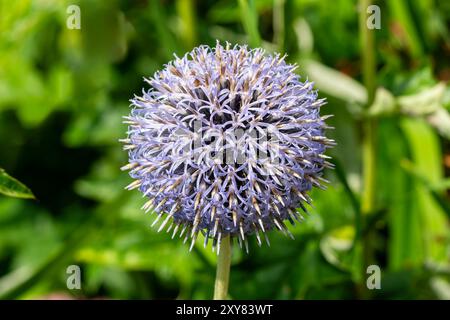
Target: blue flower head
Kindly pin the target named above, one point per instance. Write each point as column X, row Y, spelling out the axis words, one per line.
column 227, row 142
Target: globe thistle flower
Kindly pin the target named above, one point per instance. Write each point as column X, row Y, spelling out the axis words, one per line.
column 227, row 142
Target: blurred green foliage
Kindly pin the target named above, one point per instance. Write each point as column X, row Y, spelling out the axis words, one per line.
column 63, row 93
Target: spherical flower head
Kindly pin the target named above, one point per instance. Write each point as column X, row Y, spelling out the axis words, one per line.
column 227, row 142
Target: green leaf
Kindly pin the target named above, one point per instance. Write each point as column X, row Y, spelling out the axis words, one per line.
column 305, row 37
column 435, row 189
column 426, row 155
column 335, row 83
column 440, row 119
column 428, row 103
column 336, row 245
column 405, row 247
column 401, row 14
column 441, row 287
column 425, row 102
column 19, row 282
column 12, row 187
column 384, row 103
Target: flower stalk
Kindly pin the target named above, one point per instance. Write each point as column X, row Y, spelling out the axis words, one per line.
column 369, row 125
column 223, row 270
column 367, row 42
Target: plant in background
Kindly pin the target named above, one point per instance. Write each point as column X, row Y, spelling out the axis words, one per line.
column 227, row 142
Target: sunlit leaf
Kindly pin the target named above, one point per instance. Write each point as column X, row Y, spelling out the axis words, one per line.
column 305, row 38
column 423, row 102
column 383, row 104
column 440, row 119
column 441, row 287
column 336, row 245
column 12, row 187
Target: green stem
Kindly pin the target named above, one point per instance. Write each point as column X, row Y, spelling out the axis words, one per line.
column 186, row 12
column 367, row 38
column 367, row 41
column 278, row 24
column 249, row 17
column 223, row 270
column 369, row 166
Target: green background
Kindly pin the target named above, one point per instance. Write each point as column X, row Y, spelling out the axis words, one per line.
column 63, row 93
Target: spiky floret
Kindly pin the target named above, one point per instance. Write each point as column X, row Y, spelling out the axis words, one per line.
column 227, row 141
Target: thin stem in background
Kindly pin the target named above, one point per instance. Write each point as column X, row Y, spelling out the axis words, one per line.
column 223, row 270
column 367, row 38
column 249, row 18
column 369, row 78
column 278, row 24
column 186, row 12
column 369, row 125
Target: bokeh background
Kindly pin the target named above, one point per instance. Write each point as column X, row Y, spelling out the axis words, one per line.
column 63, row 93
